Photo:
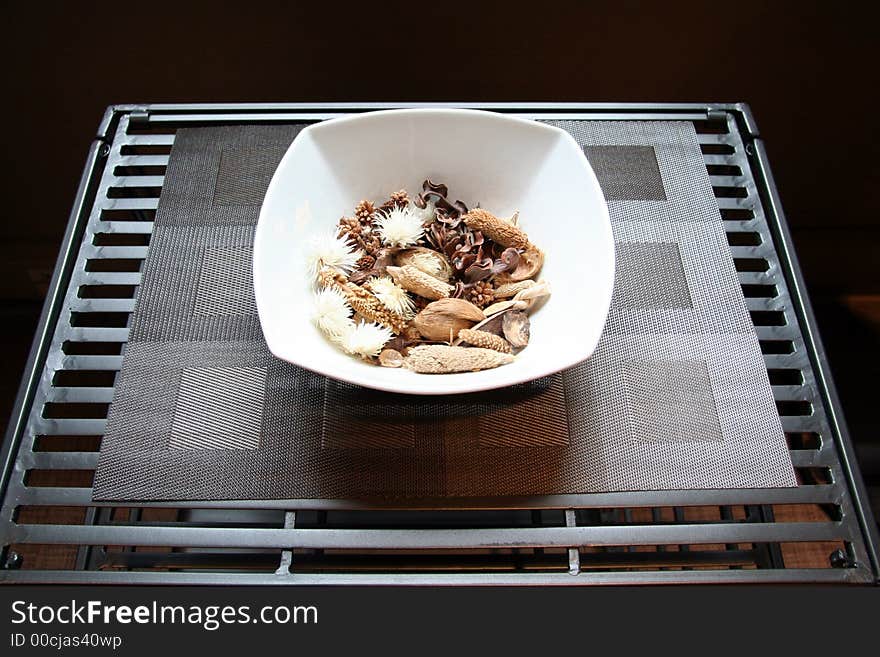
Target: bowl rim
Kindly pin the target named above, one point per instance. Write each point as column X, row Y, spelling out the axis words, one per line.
column 443, row 384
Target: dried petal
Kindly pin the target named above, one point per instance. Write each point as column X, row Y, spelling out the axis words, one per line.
column 390, row 358
column 516, row 327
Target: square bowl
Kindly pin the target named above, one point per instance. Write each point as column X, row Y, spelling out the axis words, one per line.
column 505, row 164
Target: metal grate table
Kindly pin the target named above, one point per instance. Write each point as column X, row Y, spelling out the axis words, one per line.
column 724, row 536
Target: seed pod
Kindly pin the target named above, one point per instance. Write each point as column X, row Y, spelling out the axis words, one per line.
column 516, row 328
column 328, row 276
column 442, row 359
column 510, row 289
column 441, row 320
column 418, row 282
column 498, row 230
column 484, row 339
column 427, row 260
column 369, row 307
column 491, row 325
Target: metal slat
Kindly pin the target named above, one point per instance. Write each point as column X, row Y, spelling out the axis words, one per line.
column 428, row 539
column 81, row 395
column 139, row 181
column 94, row 334
column 859, row 575
column 61, row 460
column 805, row 494
column 70, row 426
column 142, row 160
column 323, row 116
column 125, row 227
column 115, row 252
column 103, row 305
column 129, row 203
column 83, row 362
column 146, row 140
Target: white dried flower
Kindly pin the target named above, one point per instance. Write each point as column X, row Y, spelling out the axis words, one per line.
column 367, row 339
column 328, row 250
column 400, row 227
column 393, row 296
column 332, row 314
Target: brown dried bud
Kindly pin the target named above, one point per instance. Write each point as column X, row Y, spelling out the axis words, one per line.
column 418, row 282
column 396, row 200
column 331, row 276
column 510, row 289
column 365, row 303
column 365, row 212
column 365, row 262
column 498, row 230
column 481, row 294
column 442, row 359
column 484, row 339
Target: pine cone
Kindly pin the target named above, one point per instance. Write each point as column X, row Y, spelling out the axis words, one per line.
column 370, row 243
column 350, row 229
column 481, row 294
column 359, row 236
column 397, row 200
column 366, row 261
column 365, row 212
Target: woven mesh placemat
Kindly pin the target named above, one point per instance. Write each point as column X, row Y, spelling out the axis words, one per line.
column 675, row 397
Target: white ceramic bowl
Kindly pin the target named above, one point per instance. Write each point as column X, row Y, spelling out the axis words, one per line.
column 504, row 163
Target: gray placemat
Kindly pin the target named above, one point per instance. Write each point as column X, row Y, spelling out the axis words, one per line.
column 675, row 397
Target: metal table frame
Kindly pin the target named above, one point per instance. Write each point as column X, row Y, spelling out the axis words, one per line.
column 562, row 539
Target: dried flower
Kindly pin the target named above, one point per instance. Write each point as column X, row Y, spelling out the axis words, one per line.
column 328, row 250
column 392, row 296
column 359, row 236
column 481, row 294
column 365, row 302
column 400, row 227
column 397, row 200
column 365, row 212
column 365, row 262
column 332, row 314
column 367, row 340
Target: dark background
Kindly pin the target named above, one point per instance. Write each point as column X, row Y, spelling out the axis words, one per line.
column 808, row 69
